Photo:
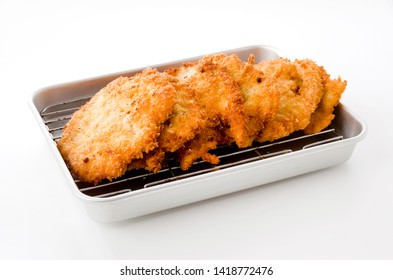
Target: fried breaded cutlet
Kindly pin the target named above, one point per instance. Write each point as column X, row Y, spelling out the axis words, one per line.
column 120, row 123
column 261, row 98
column 323, row 115
column 200, row 147
column 189, row 111
column 300, row 86
column 222, row 101
column 186, row 120
column 219, row 96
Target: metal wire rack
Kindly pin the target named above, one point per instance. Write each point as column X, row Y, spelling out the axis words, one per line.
column 56, row 117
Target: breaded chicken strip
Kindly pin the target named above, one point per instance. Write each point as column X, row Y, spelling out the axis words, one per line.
column 118, row 124
column 301, row 89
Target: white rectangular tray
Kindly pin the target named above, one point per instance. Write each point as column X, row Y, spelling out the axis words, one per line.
column 129, row 197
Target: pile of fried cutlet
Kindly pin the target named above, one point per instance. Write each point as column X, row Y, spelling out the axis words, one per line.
column 186, row 112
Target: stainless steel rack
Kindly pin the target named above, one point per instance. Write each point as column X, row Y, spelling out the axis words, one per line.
column 56, row 116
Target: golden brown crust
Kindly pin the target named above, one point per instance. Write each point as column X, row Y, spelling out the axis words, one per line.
column 219, row 96
column 221, row 99
column 300, row 86
column 323, row 115
column 199, row 147
column 186, row 120
column 261, row 99
column 119, row 124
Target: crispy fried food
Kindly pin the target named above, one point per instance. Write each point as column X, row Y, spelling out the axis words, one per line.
column 261, row 98
column 119, row 124
column 187, row 112
column 151, row 161
column 323, row 115
column 219, row 95
column 186, row 120
column 222, row 100
column 301, row 89
column 199, row 147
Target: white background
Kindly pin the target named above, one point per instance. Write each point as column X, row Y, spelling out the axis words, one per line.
column 344, row 212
